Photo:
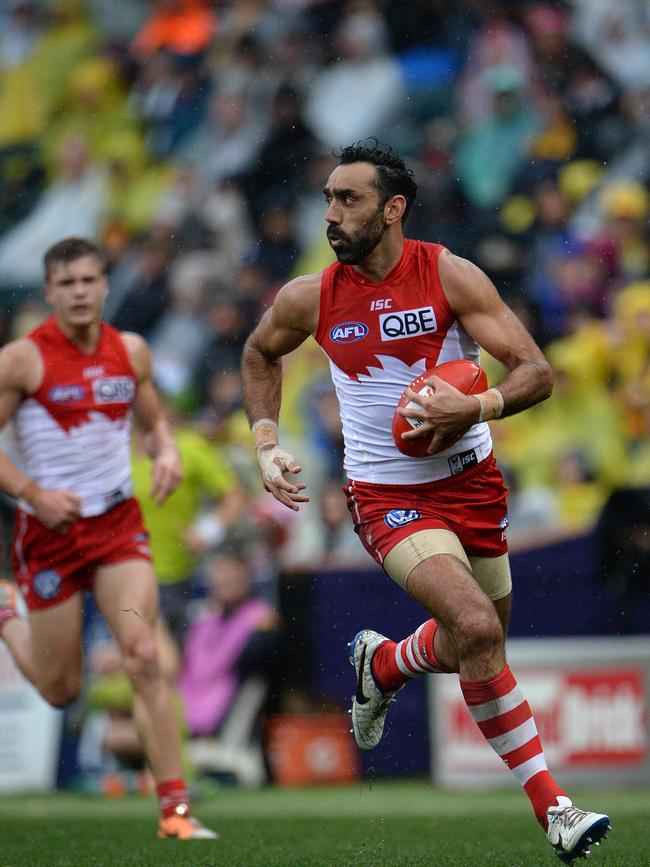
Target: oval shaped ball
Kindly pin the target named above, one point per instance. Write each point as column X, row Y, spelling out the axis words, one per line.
column 466, row 376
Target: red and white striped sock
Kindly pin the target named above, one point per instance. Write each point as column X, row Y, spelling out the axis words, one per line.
column 172, row 794
column 394, row 664
column 504, row 717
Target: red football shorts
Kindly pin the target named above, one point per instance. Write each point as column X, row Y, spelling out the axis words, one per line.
column 50, row 567
column 471, row 504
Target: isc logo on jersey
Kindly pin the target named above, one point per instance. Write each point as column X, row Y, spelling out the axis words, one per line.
column 348, row 332
column 407, row 323
column 401, row 517
column 114, row 389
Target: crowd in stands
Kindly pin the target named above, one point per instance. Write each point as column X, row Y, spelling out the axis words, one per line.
column 192, row 139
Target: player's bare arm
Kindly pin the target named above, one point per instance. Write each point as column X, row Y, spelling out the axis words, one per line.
column 166, row 473
column 289, row 322
column 486, row 318
column 21, row 372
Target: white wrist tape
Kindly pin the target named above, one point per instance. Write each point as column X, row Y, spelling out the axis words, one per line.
column 273, row 462
column 265, row 432
column 491, row 403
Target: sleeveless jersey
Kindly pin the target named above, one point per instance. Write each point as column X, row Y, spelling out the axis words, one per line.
column 74, row 431
column 378, row 338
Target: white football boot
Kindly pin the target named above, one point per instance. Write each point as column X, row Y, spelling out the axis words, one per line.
column 571, row 831
column 369, row 705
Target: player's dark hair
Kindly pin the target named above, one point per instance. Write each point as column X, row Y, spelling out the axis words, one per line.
column 394, row 177
column 69, row 250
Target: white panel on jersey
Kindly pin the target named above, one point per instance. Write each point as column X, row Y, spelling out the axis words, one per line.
column 93, row 459
column 458, row 344
column 367, row 406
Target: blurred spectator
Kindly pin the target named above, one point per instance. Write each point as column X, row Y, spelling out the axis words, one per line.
column 617, row 33
column 227, row 142
column 580, row 497
column 171, row 97
column 497, row 43
column 229, row 327
column 276, row 249
column 492, row 150
column 325, row 433
column 234, row 637
column 139, row 286
column 281, row 165
column 181, row 335
column 137, row 185
column 192, row 522
column 22, row 177
column 74, row 202
column 551, row 237
column 324, row 536
column 246, row 74
column 94, row 107
column 623, row 240
column 623, row 551
column 22, row 112
column 556, row 140
column 69, row 38
column 362, row 93
column 184, row 27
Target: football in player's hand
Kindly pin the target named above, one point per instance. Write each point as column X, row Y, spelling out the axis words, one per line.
column 464, row 375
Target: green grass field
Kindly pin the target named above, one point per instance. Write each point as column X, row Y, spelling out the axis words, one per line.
column 384, row 823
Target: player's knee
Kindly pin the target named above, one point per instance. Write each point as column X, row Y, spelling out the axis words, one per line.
column 141, row 660
column 61, row 693
column 479, row 634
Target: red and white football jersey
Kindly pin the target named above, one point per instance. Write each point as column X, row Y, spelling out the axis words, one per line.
column 378, row 338
column 74, row 432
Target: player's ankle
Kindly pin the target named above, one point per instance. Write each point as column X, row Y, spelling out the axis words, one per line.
column 384, row 671
column 543, row 792
column 173, row 797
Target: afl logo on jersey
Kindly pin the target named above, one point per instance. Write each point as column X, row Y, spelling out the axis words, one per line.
column 348, row 332
column 66, row 393
column 407, row 323
column 114, row 389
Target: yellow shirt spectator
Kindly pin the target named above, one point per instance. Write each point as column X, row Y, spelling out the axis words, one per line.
column 207, row 477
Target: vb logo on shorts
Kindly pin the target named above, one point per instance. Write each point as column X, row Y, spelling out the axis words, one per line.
column 401, row 517
column 47, row 584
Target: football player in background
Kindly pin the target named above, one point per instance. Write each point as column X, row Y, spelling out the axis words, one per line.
column 71, row 387
column 388, row 310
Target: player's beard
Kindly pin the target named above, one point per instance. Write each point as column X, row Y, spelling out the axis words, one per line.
column 356, row 248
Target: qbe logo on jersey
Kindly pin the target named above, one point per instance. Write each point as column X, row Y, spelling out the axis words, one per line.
column 407, row 323
column 114, row 389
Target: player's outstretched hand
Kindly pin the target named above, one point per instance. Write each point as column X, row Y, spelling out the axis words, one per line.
column 274, row 462
column 166, row 474
column 58, row 510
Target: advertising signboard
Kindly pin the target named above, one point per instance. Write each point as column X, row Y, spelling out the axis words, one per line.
column 590, row 699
